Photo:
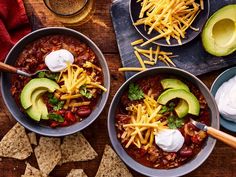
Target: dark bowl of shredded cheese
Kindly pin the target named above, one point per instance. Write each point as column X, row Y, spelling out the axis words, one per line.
column 65, row 7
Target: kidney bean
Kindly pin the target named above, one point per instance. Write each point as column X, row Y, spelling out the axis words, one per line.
column 186, row 152
column 187, row 139
column 84, row 111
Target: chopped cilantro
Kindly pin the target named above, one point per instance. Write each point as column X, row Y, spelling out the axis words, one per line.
column 135, row 93
column 172, row 106
column 174, row 122
column 172, row 125
column 53, row 100
column 50, row 95
column 179, row 122
column 56, row 117
column 163, row 109
column 49, row 75
column 83, row 91
column 41, row 74
column 58, row 106
column 52, row 76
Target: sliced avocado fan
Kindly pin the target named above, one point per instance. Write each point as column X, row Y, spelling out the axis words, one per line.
column 171, row 83
column 31, row 97
column 32, row 85
column 192, row 101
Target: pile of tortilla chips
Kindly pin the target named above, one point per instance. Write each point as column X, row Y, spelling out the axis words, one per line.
column 50, row 152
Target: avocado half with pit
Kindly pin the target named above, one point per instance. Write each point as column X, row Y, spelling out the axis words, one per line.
column 219, row 33
column 31, row 97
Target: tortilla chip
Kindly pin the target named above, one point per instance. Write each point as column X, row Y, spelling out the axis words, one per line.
column 76, row 148
column 15, row 143
column 31, row 171
column 48, row 154
column 32, row 138
column 111, row 165
column 77, row 173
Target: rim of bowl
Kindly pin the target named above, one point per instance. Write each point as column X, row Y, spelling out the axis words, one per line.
column 106, row 73
column 65, row 15
column 165, row 44
column 211, row 90
column 179, row 171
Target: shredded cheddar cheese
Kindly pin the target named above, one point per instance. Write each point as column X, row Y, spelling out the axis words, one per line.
column 131, row 69
column 72, row 79
column 139, row 41
column 145, row 122
column 170, row 18
column 152, row 56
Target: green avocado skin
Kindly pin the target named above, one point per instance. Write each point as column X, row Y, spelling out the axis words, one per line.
column 219, row 33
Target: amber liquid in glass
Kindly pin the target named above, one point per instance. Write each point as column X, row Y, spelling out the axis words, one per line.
column 67, row 6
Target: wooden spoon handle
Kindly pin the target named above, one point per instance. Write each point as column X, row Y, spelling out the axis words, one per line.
column 224, row 137
column 8, row 68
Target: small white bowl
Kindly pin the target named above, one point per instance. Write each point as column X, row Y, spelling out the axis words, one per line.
column 223, row 77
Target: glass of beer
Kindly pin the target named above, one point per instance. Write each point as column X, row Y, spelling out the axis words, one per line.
column 66, row 7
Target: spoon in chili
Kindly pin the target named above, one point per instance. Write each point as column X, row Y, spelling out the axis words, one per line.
column 8, row 68
column 224, row 137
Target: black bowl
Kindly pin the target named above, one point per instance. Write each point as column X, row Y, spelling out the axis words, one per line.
column 15, row 110
column 134, row 9
column 189, row 166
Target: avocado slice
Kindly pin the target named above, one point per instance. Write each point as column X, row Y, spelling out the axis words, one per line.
column 44, row 110
column 31, row 86
column 182, row 108
column 35, row 110
column 192, row 101
column 174, row 84
column 170, row 83
column 219, row 33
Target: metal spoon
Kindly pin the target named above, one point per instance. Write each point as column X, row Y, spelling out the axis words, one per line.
column 8, row 68
column 224, row 137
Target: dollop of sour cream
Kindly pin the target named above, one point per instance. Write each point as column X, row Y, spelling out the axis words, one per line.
column 226, row 99
column 57, row 60
column 169, row 140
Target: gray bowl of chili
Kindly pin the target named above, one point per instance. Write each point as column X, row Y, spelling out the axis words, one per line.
column 15, row 109
column 128, row 154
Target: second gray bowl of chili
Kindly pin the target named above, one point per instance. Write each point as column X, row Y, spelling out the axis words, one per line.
column 150, row 128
